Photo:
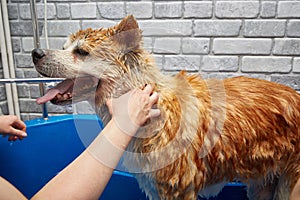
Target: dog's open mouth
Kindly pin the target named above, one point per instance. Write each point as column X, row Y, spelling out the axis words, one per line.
column 65, row 92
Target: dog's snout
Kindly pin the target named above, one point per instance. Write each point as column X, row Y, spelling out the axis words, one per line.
column 37, row 54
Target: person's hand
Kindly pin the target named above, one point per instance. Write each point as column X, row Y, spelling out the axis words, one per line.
column 12, row 126
column 133, row 109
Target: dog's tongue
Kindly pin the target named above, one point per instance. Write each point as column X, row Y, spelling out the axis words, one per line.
column 50, row 94
column 61, row 88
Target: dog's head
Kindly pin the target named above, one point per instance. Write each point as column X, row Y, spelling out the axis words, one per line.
column 95, row 59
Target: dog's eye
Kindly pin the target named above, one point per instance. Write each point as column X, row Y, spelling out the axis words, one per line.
column 81, row 52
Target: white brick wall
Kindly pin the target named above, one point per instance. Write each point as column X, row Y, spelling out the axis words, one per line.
column 288, row 9
column 266, row 64
column 217, row 38
column 268, row 9
column 196, row 46
column 293, row 28
column 89, row 10
column 217, row 28
column 164, row 27
column 242, row 46
column 237, row 9
column 167, row 45
column 296, row 65
column 141, row 10
column 172, row 9
column 220, row 64
column 111, row 10
column 198, row 9
column 287, row 46
column 264, row 28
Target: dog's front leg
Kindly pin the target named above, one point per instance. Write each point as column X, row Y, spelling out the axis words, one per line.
column 261, row 189
column 283, row 189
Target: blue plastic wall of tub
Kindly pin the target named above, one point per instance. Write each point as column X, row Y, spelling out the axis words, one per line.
column 52, row 144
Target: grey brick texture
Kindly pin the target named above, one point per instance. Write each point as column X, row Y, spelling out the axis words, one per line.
column 63, row 28
column 217, row 27
column 63, row 11
column 266, row 64
column 216, row 38
column 111, row 10
column 296, row 65
column 167, row 45
column 292, row 81
column 166, row 27
column 195, row 45
column 141, row 10
column 268, row 9
column 287, row 46
column 288, row 9
column 89, row 8
column 293, row 28
column 220, row 63
column 242, row 46
column 198, row 9
column 171, row 9
column 264, row 28
column 24, row 11
column 237, row 9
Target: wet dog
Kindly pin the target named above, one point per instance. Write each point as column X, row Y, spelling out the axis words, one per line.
column 210, row 131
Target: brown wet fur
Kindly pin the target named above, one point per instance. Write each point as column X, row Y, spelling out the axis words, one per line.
column 211, row 131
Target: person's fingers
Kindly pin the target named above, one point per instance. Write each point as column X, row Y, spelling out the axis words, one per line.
column 18, row 133
column 19, row 124
column 148, row 89
column 154, row 98
column 12, row 138
column 154, row 113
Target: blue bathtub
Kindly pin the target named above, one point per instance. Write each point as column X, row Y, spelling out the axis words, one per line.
column 52, row 144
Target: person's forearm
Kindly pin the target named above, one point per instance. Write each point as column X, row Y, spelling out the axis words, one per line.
column 87, row 176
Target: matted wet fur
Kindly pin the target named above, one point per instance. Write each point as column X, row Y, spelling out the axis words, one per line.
column 210, row 131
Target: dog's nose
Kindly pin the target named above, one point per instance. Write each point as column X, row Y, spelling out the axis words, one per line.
column 37, row 54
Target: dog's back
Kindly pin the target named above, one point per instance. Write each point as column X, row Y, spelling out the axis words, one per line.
column 244, row 129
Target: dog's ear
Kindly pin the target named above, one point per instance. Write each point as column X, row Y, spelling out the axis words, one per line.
column 128, row 35
column 128, row 23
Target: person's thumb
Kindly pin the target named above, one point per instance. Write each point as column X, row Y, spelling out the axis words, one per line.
column 19, row 133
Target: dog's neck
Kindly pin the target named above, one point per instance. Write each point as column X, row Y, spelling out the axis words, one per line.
column 133, row 70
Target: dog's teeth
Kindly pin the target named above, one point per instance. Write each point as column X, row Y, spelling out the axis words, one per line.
column 58, row 96
column 66, row 96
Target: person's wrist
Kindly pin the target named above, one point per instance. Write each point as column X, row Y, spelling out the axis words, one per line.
column 117, row 137
column 127, row 127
